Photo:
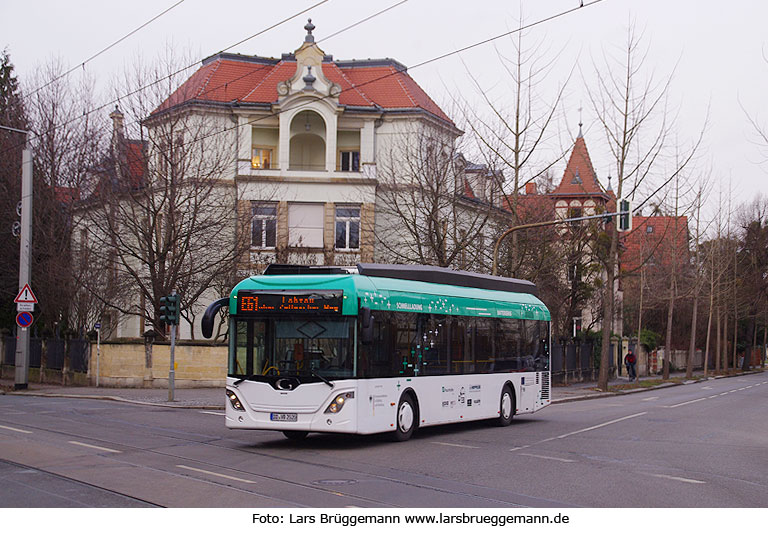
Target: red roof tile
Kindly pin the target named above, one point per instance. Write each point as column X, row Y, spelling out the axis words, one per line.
column 224, row 80
column 655, row 237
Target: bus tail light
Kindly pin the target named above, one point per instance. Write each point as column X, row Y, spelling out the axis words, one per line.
column 338, row 403
column 234, row 401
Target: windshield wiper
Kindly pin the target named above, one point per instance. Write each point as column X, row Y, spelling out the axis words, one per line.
column 321, row 378
column 241, row 380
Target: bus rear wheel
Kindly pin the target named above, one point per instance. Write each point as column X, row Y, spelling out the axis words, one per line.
column 407, row 418
column 296, row 435
column 506, row 407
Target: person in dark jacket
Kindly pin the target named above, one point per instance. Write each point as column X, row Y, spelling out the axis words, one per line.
column 630, row 360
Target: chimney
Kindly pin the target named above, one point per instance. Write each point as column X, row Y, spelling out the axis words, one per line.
column 117, row 122
column 530, row 188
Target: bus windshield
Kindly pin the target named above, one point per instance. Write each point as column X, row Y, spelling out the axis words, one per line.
column 294, row 347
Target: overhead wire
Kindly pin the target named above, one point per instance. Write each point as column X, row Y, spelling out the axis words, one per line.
column 354, row 86
column 399, row 70
column 167, row 77
column 97, row 54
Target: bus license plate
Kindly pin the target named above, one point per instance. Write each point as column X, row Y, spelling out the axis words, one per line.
column 291, row 417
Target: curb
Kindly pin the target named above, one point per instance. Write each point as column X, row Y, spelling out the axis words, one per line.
column 167, row 404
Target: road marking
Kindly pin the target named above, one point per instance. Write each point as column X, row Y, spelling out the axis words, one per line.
column 680, row 479
column 687, row 402
column 93, row 446
column 546, row 457
column 455, row 445
column 16, row 429
column 725, row 393
column 519, row 448
column 707, row 387
column 600, row 425
column 712, row 396
column 213, row 413
column 649, row 398
column 216, row 474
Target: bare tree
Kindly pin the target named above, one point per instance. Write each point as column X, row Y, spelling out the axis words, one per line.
column 632, row 113
column 164, row 212
column 430, row 209
column 65, row 143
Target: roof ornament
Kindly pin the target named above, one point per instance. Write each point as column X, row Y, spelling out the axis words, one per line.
column 309, row 79
column 580, row 124
column 609, row 184
column 309, row 38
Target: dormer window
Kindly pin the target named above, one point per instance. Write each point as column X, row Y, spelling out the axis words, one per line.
column 576, row 178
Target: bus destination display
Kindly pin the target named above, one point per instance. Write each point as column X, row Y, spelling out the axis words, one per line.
column 257, row 302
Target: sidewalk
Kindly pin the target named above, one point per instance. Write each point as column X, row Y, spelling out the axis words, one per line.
column 588, row 390
column 213, row 398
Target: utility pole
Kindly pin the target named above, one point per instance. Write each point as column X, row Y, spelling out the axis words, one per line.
column 25, row 266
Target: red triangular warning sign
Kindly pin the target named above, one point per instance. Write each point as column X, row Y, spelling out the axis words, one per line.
column 26, row 295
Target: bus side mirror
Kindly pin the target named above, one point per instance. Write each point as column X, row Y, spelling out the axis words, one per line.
column 366, row 321
column 210, row 315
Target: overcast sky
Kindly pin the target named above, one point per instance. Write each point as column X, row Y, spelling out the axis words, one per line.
column 718, row 48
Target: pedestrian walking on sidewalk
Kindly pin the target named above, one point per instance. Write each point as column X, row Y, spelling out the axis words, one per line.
column 630, row 360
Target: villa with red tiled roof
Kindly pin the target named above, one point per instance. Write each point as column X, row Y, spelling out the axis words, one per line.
column 306, row 141
column 311, row 134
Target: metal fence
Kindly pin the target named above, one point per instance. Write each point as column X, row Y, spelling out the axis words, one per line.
column 574, row 362
column 50, row 353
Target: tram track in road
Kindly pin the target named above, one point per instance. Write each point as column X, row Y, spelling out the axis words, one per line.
column 70, row 482
column 214, row 469
column 309, row 457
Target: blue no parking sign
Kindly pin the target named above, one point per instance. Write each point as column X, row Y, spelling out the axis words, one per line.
column 24, row 319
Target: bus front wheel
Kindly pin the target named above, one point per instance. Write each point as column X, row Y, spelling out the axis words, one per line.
column 407, row 418
column 506, row 407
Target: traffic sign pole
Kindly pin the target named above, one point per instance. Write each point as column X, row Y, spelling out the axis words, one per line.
column 97, row 326
column 172, row 372
column 22, row 337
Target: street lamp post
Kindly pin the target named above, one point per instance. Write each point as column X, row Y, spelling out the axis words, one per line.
column 606, row 216
column 21, row 378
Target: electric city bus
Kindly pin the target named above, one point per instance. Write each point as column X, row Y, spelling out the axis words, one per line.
column 381, row 348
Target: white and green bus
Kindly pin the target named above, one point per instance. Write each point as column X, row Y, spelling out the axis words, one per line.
column 381, row 348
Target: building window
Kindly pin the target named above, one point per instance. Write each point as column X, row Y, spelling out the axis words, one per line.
column 350, row 160
column 264, row 224
column 261, row 158
column 347, row 227
column 649, row 229
column 305, row 225
column 575, row 213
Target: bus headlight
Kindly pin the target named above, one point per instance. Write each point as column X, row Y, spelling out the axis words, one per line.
column 234, row 401
column 338, row 403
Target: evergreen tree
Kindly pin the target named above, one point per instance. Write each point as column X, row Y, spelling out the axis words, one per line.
column 11, row 144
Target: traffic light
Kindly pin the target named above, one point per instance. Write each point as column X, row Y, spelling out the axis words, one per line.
column 169, row 309
column 625, row 216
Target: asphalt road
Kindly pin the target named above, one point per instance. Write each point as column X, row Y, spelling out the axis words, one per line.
column 698, row 445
